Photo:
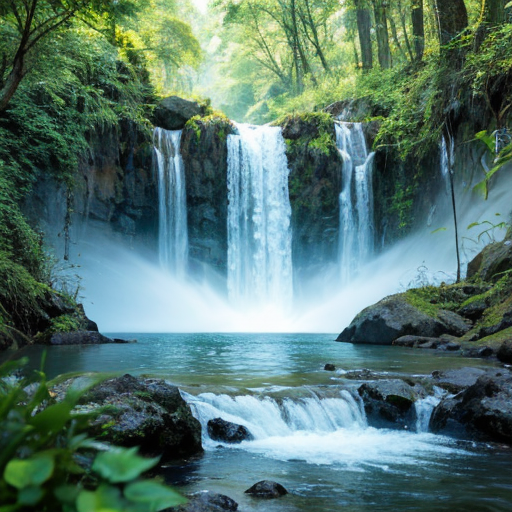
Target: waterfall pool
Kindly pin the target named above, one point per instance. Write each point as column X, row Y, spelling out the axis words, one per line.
column 310, row 434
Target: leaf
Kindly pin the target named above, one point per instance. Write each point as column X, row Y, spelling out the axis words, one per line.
column 21, row 473
column 53, row 418
column 30, row 496
column 438, row 230
column 122, row 464
column 508, row 5
column 66, row 493
column 155, row 495
column 473, row 224
column 488, row 140
column 104, row 499
column 482, row 188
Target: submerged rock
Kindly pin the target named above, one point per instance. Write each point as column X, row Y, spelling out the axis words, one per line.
column 329, row 367
column 267, row 489
column 482, row 411
column 389, row 403
column 208, row 501
column 148, row 413
column 227, row 432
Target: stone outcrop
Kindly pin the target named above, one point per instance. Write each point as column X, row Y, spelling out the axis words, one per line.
column 490, row 263
column 394, row 317
column 314, row 185
column 148, row 413
column 173, row 112
column 482, row 411
column 204, row 152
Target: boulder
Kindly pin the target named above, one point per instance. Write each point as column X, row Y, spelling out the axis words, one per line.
column 492, row 261
column 173, row 112
column 394, row 317
column 504, row 353
column 208, row 501
column 455, row 381
column 483, row 411
column 267, row 489
column 455, row 324
column 329, row 367
column 414, row 341
column 389, row 403
column 81, row 338
column 149, row 413
column 227, row 432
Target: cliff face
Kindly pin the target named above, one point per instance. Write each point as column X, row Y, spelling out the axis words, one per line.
column 204, row 152
column 314, row 186
column 115, row 188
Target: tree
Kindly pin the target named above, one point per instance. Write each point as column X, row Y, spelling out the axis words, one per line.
column 381, row 29
column 418, row 28
column 364, row 25
column 452, row 18
column 28, row 22
column 494, row 12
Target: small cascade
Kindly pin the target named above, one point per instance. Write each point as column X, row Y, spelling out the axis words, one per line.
column 259, row 211
column 172, row 201
column 447, row 155
column 356, row 200
column 425, row 407
column 267, row 417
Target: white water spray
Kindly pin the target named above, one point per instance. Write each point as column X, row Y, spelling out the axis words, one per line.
column 259, row 231
column 172, row 201
column 357, row 230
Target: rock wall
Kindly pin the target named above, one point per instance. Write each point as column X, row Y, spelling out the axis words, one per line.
column 204, row 152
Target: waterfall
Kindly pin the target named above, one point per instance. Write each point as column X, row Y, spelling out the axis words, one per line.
column 172, row 201
column 259, row 211
column 356, row 200
column 267, row 417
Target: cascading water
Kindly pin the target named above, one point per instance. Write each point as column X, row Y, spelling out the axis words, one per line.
column 356, row 200
column 172, row 201
column 259, row 211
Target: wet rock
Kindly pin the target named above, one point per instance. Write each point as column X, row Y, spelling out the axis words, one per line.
column 227, row 432
column 390, row 319
column 504, row 353
column 267, row 489
column 173, row 112
column 455, row 324
column 363, row 374
column 475, row 309
column 389, row 403
column 208, row 501
column 482, row 411
column 492, row 261
column 329, row 367
column 79, row 338
column 455, row 381
column 148, row 413
column 478, row 352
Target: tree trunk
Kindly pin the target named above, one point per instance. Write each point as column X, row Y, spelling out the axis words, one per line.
column 364, row 25
column 12, row 82
column 394, row 33
column 381, row 29
column 418, row 28
column 452, row 18
column 494, row 12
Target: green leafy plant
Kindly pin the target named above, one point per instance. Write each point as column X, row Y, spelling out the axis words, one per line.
column 48, row 463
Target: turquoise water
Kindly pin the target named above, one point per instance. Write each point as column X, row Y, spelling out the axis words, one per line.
column 310, row 434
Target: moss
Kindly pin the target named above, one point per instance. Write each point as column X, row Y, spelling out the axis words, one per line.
column 431, row 299
column 215, row 119
column 495, row 340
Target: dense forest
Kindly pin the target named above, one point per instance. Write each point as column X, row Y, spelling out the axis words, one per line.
column 71, row 69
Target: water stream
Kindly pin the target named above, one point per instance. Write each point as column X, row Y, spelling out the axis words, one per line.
column 310, row 431
column 259, row 231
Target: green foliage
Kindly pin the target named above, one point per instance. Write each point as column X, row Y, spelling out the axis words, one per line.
column 41, row 445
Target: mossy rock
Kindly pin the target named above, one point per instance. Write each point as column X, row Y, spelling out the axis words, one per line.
column 492, row 263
